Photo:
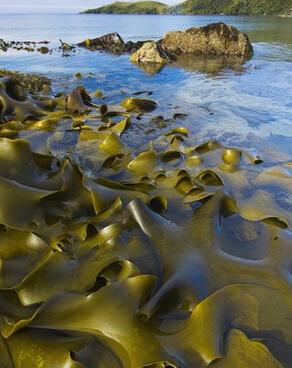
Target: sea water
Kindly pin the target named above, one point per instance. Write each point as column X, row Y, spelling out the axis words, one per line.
column 244, row 105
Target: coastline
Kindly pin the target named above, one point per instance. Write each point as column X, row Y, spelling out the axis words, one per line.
column 197, row 14
column 190, row 7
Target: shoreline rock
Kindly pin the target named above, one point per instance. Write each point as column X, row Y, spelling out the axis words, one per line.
column 215, row 39
column 212, row 39
column 150, row 53
column 29, row 46
column 30, row 82
column 132, row 47
column 111, row 42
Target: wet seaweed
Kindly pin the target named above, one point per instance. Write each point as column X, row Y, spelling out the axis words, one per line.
column 173, row 254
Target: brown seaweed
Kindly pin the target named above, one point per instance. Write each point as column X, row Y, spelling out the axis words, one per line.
column 174, row 254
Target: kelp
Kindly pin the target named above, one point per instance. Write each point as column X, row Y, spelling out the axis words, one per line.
column 174, row 254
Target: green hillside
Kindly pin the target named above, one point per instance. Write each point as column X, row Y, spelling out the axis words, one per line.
column 139, row 7
column 249, row 7
column 256, row 7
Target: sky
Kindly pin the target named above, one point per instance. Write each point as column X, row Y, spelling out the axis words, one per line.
column 55, row 6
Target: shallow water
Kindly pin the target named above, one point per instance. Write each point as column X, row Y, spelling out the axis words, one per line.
column 244, row 105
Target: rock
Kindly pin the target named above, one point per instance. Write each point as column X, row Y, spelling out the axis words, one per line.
column 150, row 53
column 65, row 46
column 3, row 45
column 213, row 39
column 31, row 82
column 43, row 49
column 132, row 47
column 111, row 42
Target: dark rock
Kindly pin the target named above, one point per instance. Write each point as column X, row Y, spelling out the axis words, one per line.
column 28, row 49
column 65, row 46
column 213, row 39
column 111, row 42
column 3, row 45
column 179, row 115
column 157, row 119
column 132, row 47
column 43, row 49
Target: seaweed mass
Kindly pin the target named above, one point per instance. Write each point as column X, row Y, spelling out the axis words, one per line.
column 176, row 253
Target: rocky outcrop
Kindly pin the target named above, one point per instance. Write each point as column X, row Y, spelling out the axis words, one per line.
column 151, row 53
column 111, row 42
column 30, row 82
column 213, row 39
column 43, row 49
column 29, row 46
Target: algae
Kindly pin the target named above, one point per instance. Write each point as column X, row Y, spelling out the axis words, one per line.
column 173, row 254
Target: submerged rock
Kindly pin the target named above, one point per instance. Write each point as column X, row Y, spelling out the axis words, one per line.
column 151, row 53
column 30, row 82
column 110, row 42
column 213, row 39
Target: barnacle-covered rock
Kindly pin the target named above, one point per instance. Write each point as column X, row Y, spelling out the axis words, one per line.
column 212, row 39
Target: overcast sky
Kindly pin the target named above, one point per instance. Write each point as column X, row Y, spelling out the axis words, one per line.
column 54, row 6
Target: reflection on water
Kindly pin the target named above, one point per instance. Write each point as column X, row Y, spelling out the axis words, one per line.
column 150, row 68
column 210, row 65
column 269, row 29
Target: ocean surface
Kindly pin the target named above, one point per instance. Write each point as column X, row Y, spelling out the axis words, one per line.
column 244, row 105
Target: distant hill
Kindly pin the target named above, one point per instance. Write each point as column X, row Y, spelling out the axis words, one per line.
column 139, row 7
column 245, row 7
